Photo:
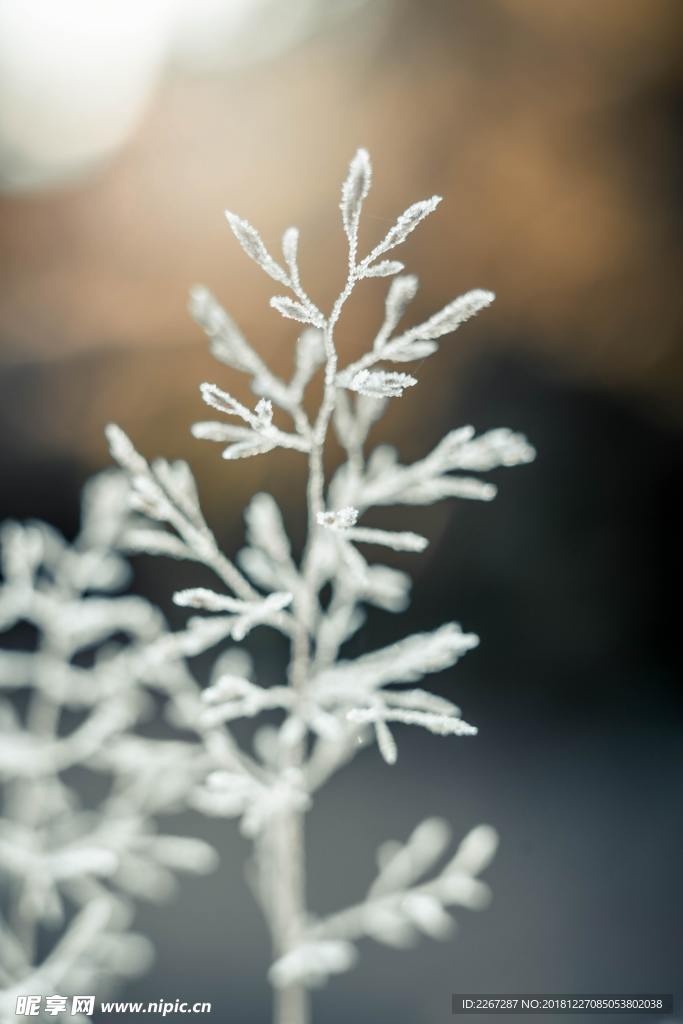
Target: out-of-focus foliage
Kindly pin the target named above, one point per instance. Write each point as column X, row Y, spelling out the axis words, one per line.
column 70, row 709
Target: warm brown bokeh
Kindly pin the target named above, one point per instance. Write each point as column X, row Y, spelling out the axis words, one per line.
column 549, row 129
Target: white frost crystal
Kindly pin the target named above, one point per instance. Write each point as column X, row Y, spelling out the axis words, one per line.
column 380, row 384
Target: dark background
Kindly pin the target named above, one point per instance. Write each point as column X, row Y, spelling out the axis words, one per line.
column 551, row 131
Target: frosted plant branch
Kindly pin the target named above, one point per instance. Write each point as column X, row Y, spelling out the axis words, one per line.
column 399, row 904
column 73, row 872
column 323, row 708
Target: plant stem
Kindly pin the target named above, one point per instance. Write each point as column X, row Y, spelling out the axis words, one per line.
column 292, row 1002
column 292, row 1005
column 287, row 861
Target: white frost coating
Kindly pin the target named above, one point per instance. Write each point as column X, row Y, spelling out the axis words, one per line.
column 262, row 436
column 405, row 224
column 403, row 541
column 380, row 384
column 300, row 311
column 441, row 725
column 449, row 318
column 401, row 292
column 244, row 615
column 252, row 243
column 354, row 192
column 322, row 708
column 420, row 341
column 385, row 268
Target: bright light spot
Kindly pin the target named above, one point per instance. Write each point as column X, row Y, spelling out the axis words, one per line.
column 75, row 77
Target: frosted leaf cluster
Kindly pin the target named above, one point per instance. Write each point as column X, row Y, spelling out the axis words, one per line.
column 74, row 871
column 322, row 708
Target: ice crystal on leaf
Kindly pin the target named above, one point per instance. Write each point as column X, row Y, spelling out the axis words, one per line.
column 380, row 384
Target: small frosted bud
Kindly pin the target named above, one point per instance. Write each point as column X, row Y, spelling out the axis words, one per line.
column 354, row 191
column 385, row 268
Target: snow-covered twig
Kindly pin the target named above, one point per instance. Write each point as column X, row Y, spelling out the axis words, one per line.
column 335, row 702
